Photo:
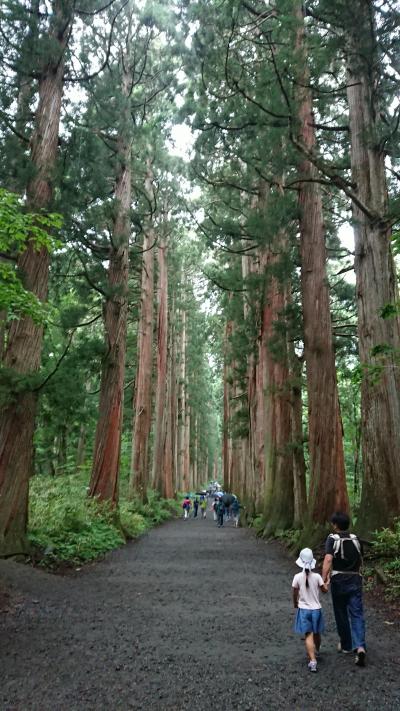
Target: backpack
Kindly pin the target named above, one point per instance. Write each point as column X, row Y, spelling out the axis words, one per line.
column 338, row 546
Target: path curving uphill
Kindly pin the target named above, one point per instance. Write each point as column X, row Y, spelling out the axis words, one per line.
column 188, row 617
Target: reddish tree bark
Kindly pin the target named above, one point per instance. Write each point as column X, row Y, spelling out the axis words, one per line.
column 375, row 278
column 188, row 422
column 279, row 497
column 107, row 446
column 227, row 442
column 196, row 483
column 169, row 453
column 260, row 378
column 246, row 487
column 3, row 329
column 328, row 490
column 168, row 478
column 160, row 475
column 23, row 353
column 299, row 465
column 143, row 387
column 183, row 482
column 173, row 397
column 238, row 442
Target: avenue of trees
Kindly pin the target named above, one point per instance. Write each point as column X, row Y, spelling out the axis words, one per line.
column 167, row 320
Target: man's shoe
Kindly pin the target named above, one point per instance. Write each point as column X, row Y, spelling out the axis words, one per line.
column 343, row 651
column 360, row 658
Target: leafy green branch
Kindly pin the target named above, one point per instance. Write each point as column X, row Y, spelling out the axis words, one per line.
column 18, row 229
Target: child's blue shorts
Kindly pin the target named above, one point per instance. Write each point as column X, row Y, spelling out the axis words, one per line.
column 309, row 621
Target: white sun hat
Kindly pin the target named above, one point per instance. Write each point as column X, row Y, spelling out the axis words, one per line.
column 306, row 559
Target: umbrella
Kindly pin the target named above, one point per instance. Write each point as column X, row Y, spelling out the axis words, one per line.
column 228, row 499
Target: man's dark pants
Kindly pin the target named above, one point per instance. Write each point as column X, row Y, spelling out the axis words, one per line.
column 348, row 608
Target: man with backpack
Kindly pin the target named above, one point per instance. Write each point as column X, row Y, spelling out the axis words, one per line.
column 342, row 564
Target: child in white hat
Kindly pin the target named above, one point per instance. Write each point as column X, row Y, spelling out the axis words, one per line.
column 309, row 618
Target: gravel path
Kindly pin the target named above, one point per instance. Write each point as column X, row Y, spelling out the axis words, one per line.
column 188, row 617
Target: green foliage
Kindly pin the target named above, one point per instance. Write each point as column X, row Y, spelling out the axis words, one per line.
column 17, row 228
column 390, row 310
column 258, row 523
column 16, row 300
column 396, row 243
column 136, row 517
column 385, row 554
column 386, row 542
column 71, row 528
column 290, row 537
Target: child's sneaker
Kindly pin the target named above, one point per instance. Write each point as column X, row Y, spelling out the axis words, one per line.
column 312, row 666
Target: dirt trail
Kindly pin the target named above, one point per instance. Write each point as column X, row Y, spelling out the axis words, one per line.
column 190, row 616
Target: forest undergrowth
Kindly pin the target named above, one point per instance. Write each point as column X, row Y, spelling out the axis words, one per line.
column 68, row 528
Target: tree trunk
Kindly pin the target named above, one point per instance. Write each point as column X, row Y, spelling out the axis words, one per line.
column 227, row 441
column 183, row 484
column 160, row 429
column 299, row 465
column 252, row 487
column 245, row 485
column 107, row 447
column 26, row 88
column 260, row 377
column 143, row 387
column 328, row 491
column 375, row 281
column 81, row 448
column 173, row 398
column 3, row 330
column 196, row 483
column 237, row 455
column 279, row 497
column 168, row 465
column 62, row 448
column 168, row 474
column 23, row 353
column 187, row 444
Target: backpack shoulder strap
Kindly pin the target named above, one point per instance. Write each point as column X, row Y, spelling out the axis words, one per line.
column 336, row 543
column 356, row 542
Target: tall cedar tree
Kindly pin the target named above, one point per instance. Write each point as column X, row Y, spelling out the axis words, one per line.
column 279, row 498
column 162, row 474
column 143, row 386
column 328, row 491
column 376, row 285
column 107, row 447
column 24, row 343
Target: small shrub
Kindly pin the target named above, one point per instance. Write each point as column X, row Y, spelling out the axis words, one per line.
column 290, row 537
column 385, row 551
column 68, row 527
column 386, row 542
column 258, row 524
